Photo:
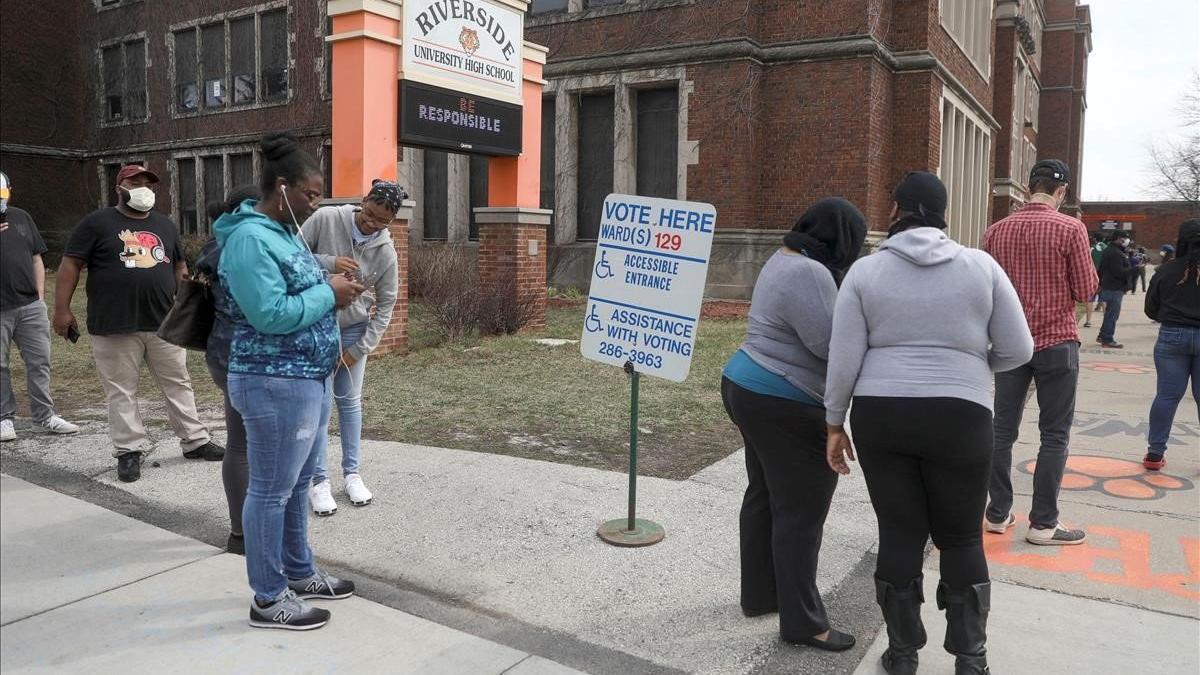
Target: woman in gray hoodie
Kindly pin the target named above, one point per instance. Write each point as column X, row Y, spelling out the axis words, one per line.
column 353, row 239
column 918, row 330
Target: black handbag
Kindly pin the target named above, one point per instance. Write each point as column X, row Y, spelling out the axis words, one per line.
column 191, row 318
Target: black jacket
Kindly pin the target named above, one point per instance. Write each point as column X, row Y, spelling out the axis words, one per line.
column 1173, row 300
column 1114, row 269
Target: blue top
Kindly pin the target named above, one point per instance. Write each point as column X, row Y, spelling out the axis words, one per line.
column 284, row 324
column 219, row 340
column 747, row 374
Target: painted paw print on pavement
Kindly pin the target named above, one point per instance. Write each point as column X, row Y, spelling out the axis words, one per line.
column 1112, row 367
column 1119, row 478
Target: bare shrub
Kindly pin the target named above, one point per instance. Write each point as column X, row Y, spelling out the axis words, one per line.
column 445, row 280
column 503, row 310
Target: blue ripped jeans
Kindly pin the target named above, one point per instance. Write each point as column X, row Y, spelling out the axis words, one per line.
column 287, row 422
column 347, row 395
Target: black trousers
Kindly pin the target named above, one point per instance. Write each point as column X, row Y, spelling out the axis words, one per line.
column 783, row 512
column 926, row 462
column 235, row 468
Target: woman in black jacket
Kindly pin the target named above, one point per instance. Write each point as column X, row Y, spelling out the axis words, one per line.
column 1173, row 300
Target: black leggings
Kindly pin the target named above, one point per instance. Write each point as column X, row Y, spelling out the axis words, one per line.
column 926, row 462
column 235, row 468
column 783, row 512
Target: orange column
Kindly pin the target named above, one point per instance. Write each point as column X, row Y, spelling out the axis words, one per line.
column 366, row 90
column 516, row 181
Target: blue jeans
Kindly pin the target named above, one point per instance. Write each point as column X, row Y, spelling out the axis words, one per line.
column 347, row 393
column 1176, row 358
column 1112, row 311
column 287, row 420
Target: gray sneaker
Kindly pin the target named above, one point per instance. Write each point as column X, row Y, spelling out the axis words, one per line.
column 288, row 613
column 322, row 586
column 1055, row 536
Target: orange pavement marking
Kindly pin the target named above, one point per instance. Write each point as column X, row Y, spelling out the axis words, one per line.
column 1129, row 489
column 1132, row 552
column 1168, row 482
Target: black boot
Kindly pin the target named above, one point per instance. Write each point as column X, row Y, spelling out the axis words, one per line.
column 902, row 614
column 966, row 626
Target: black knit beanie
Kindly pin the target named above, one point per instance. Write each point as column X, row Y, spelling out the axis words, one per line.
column 923, row 196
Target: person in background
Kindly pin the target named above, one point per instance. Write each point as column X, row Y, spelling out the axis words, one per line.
column 23, row 319
column 1058, row 275
column 1098, row 247
column 134, row 264
column 354, row 239
column 235, row 468
column 1114, row 281
column 1137, row 264
column 1173, row 300
column 918, row 329
column 284, row 348
column 773, row 389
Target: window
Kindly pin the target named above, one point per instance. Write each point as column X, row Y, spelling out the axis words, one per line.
column 595, row 174
column 206, row 180
column 658, row 142
column 1016, row 143
column 546, row 199
column 547, row 6
column 479, row 191
column 969, row 22
column 328, row 93
column 123, row 70
column 186, row 170
column 965, row 169
column 236, row 62
column 436, row 208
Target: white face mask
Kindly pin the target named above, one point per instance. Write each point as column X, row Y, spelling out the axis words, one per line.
column 140, row 199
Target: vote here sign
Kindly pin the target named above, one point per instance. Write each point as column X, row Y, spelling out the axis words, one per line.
column 648, row 284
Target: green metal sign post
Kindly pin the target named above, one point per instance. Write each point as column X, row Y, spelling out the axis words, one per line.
column 632, row 531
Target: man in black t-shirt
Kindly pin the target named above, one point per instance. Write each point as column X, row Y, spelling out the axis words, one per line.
column 134, row 262
column 23, row 319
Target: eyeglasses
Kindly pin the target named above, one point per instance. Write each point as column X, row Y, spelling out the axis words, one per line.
column 372, row 220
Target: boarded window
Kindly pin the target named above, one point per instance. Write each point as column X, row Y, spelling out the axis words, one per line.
column 596, row 172
column 214, row 182
column 114, row 104
column 135, row 80
column 479, row 191
column 658, row 142
column 241, row 170
column 273, row 48
column 187, row 92
column 546, row 6
column 549, row 160
column 186, row 169
column 436, row 208
column 241, row 60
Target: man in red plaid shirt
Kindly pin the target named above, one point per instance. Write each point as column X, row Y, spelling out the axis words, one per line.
column 1047, row 257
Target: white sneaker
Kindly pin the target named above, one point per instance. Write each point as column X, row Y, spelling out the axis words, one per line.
column 7, row 432
column 357, row 492
column 321, row 499
column 999, row 528
column 57, row 425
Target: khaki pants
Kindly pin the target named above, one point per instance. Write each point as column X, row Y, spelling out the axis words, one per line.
column 119, row 361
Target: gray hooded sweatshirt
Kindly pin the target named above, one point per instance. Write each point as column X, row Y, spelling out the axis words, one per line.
column 922, row 318
column 328, row 233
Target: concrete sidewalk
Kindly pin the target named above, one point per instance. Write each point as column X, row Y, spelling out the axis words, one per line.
column 88, row 590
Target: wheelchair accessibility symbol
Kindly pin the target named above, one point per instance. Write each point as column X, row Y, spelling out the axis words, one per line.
column 592, row 323
column 603, row 269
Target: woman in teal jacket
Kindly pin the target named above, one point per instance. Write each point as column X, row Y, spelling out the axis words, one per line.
column 285, row 345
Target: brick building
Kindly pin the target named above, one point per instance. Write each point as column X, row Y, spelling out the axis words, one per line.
column 1150, row 224
column 757, row 106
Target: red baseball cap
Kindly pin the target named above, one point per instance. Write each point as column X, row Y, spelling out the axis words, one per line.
column 130, row 170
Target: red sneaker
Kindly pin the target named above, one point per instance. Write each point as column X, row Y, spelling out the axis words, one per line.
column 1154, row 462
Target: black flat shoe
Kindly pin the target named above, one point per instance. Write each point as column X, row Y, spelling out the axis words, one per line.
column 129, row 467
column 836, row 642
column 210, row 452
column 235, row 544
column 751, row 613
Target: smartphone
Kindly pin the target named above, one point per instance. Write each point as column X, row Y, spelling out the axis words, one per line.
column 73, row 333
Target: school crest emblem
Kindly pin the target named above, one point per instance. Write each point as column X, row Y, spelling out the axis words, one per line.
column 469, row 39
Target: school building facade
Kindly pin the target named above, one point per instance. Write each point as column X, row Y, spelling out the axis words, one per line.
column 759, row 107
